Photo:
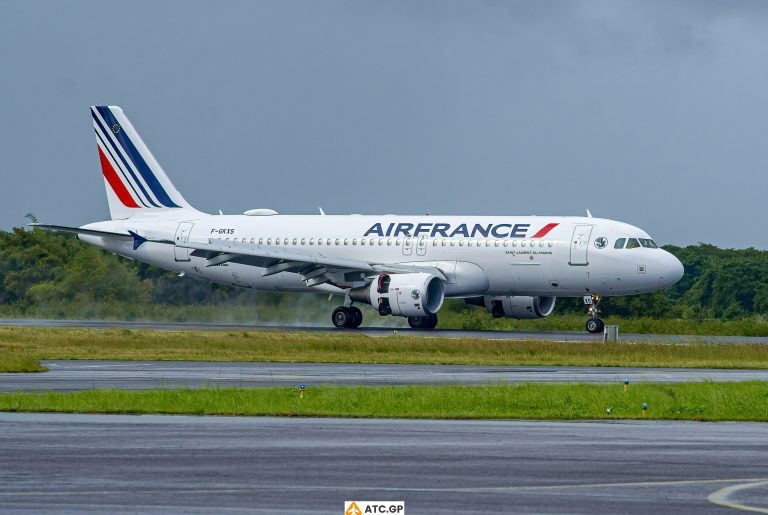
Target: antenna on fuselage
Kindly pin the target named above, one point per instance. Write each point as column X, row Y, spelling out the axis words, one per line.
column 321, row 211
column 589, row 215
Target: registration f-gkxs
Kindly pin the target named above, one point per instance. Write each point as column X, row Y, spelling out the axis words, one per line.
column 513, row 266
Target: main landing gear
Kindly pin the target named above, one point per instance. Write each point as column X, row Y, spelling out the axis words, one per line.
column 594, row 324
column 349, row 317
column 428, row 322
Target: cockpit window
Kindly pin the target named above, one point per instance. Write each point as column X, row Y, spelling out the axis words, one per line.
column 620, row 243
column 648, row 243
column 632, row 243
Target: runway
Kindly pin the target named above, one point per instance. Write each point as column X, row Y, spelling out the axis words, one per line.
column 138, row 375
column 565, row 336
column 162, row 464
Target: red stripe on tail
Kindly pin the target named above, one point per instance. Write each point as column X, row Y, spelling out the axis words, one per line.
column 117, row 185
column 545, row 230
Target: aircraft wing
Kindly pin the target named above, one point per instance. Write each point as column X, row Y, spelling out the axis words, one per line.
column 314, row 266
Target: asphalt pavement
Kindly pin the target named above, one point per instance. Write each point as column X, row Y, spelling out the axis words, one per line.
column 565, row 336
column 179, row 464
column 142, row 375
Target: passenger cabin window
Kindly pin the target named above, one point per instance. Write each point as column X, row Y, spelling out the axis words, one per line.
column 620, row 243
column 647, row 243
column 632, row 243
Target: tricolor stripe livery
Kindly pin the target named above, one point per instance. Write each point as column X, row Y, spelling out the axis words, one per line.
column 124, row 167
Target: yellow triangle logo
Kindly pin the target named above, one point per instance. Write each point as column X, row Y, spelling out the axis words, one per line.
column 353, row 509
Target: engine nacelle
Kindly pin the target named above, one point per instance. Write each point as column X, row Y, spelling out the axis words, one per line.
column 409, row 295
column 521, row 308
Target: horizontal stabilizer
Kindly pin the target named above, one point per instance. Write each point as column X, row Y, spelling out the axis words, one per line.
column 87, row 232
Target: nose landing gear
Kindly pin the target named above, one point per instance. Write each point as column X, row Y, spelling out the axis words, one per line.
column 594, row 325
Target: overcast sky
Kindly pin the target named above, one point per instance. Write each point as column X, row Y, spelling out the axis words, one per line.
column 653, row 113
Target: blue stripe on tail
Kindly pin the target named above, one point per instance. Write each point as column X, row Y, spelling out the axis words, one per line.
column 119, row 168
column 137, row 159
column 105, row 137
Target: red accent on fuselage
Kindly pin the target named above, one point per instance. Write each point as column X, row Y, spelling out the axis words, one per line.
column 117, row 185
column 544, row 230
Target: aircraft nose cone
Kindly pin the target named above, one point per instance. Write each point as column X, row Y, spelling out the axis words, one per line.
column 672, row 269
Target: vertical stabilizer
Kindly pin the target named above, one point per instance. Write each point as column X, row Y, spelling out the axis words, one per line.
column 135, row 181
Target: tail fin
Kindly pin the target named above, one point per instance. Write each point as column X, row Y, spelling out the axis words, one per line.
column 135, row 181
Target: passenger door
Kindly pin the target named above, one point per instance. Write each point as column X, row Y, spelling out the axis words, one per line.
column 182, row 236
column 580, row 245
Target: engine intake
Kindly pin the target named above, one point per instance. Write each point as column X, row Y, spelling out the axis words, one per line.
column 408, row 295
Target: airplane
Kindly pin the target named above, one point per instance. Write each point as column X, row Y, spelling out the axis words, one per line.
column 406, row 266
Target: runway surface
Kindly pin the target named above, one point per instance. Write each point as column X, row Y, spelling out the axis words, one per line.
column 163, row 464
column 137, row 375
column 566, row 336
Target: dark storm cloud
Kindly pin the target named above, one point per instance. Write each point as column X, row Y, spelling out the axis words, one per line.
column 650, row 112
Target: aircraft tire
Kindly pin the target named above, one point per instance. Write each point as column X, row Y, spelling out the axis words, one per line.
column 429, row 322
column 357, row 317
column 341, row 317
column 595, row 325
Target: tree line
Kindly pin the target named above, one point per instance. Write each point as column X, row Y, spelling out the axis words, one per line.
column 40, row 269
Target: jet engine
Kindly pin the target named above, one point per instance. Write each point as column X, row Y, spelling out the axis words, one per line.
column 409, row 295
column 521, row 308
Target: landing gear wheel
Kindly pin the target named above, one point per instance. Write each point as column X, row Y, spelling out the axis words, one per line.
column 357, row 317
column 342, row 316
column 428, row 322
column 595, row 325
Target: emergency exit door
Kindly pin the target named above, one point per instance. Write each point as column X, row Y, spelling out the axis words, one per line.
column 580, row 245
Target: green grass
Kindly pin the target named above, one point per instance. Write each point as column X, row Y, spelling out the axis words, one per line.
column 746, row 401
column 19, row 362
column 23, row 344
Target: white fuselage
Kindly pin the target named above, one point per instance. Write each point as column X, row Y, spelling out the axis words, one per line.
column 505, row 255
